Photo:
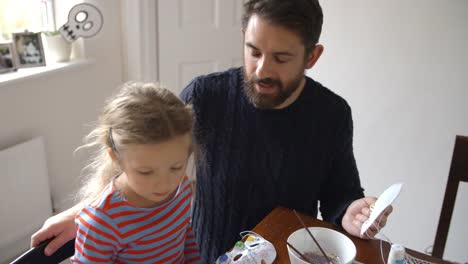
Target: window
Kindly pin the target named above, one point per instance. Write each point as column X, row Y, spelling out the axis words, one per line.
column 21, row 15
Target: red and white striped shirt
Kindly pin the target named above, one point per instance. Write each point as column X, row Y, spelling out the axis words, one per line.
column 111, row 230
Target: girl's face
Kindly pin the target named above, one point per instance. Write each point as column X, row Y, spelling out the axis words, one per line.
column 152, row 172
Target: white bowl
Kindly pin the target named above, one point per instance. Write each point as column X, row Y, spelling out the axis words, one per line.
column 330, row 240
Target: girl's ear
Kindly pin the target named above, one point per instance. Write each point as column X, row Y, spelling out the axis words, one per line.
column 112, row 155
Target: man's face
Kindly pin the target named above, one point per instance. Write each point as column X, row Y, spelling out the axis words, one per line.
column 274, row 64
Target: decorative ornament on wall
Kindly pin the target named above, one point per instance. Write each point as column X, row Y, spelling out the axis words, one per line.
column 84, row 20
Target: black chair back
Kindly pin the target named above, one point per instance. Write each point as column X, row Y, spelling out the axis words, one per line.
column 36, row 255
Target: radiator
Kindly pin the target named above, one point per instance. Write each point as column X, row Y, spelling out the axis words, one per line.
column 25, row 200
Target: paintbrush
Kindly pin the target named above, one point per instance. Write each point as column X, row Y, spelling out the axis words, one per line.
column 313, row 238
column 287, row 243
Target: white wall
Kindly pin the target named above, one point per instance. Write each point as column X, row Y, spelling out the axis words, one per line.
column 402, row 66
column 59, row 105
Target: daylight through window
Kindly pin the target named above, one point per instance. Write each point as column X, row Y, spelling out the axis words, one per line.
column 20, row 15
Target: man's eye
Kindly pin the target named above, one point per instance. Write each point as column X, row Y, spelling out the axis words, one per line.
column 177, row 168
column 256, row 54
column 280, row 60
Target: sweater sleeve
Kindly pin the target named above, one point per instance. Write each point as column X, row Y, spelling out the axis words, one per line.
column 187, row 94
column 191, row 250
column 343, row 184
column 97, row 239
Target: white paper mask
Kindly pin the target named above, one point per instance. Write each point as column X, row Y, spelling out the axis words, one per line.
column 84, row 20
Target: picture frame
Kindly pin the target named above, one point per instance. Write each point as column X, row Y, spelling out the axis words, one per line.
column 29, row 49
column 7, row 57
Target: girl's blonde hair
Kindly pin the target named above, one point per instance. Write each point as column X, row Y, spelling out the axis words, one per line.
column 139, row 113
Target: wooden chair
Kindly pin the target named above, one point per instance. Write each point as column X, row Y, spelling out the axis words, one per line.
column 458, row 173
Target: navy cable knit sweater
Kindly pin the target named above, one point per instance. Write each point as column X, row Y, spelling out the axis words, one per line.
column 253, row 160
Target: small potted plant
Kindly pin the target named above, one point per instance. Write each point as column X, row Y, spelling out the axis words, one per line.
column 58, row 48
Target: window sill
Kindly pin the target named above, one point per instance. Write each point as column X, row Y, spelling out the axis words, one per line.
column 35, row 72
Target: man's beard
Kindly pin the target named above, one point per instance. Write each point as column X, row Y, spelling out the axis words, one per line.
column 268, row 101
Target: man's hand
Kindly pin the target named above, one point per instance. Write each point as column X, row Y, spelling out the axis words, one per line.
column 61, row 226
column 358, row 212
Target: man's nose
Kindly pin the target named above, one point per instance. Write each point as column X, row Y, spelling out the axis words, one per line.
column 264, row 68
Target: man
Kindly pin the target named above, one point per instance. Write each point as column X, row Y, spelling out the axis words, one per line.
column 268, row 136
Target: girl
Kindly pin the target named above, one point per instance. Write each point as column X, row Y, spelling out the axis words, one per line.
column 137, row 197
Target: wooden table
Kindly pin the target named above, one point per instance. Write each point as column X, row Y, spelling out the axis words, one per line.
column 285, row 222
